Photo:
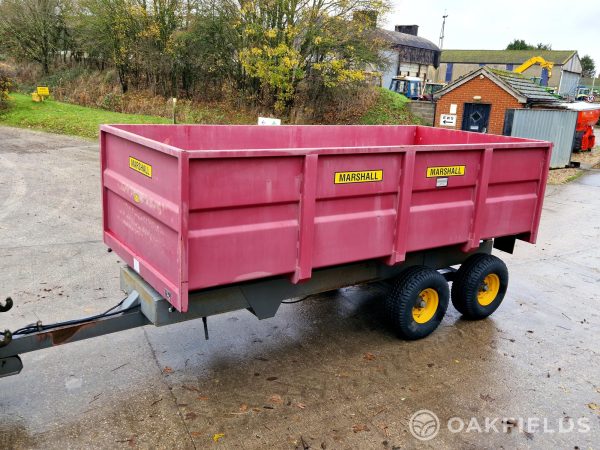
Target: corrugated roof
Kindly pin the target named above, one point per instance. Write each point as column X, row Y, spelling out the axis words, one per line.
column 409, row 40
column 526, row 87
column 558, row 57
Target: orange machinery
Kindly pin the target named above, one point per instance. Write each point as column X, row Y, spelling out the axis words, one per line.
column 584, row 131
column 587, row 116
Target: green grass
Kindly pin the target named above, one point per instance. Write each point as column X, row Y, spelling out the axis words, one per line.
column 574, row 177
column 64, row 118
column 389, row 109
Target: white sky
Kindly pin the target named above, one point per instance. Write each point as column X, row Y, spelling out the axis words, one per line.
column 492, row 25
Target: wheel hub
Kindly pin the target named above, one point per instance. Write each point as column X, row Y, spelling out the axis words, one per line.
column 426, row 305
column 489, row 289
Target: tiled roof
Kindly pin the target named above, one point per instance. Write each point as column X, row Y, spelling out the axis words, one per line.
column 558, row 57
column 526, row 87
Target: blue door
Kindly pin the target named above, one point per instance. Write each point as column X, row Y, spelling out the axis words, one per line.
column 476, row 117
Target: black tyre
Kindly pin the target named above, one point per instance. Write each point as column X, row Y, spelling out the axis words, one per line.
column 578, row 141
column 479, row 286
column 417, row 302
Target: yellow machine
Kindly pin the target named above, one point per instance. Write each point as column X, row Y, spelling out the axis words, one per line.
column 41, row 93
column 536, row 60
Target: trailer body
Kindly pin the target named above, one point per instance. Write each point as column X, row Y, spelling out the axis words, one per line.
column 195, row 207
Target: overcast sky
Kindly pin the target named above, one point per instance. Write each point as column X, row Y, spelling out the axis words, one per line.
column 473, row 24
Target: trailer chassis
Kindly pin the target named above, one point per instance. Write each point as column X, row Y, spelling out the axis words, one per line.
column 145, row 306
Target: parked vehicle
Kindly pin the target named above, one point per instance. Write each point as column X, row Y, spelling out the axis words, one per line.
column 584, row 94
column 430, row 89
column 410, row 87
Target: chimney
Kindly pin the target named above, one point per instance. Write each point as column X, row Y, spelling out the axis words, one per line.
column 408, row 29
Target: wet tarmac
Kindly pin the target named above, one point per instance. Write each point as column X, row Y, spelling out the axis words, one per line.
column 324, row 373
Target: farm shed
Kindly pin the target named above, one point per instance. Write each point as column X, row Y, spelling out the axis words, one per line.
column 408, row 55
column 479, row 100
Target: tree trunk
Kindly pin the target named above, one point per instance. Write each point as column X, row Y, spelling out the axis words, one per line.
column 123, row 80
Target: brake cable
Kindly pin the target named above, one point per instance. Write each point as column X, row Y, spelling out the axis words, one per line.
column 38, row 326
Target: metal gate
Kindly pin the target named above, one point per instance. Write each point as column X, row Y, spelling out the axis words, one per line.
column 556, row 126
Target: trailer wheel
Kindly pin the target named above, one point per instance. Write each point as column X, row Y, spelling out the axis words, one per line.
column 479, row 286
column 417, row 302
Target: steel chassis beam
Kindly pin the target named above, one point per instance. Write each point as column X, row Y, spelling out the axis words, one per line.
column 145, row 305
column 263, row 297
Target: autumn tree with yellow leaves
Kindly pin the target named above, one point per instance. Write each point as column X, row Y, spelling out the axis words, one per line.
column 267, row 53
column 322, row 43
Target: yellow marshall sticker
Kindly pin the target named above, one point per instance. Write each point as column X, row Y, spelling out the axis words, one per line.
column 365, row 176
column 141, row 167
column 446, row 171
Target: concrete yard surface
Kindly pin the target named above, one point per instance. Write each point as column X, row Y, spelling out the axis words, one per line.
column 325, row 373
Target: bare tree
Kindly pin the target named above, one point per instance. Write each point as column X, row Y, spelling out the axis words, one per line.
column 111, row 29
column 33, row 30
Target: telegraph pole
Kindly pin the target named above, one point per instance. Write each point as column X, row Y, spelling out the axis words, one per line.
column 441, row 43
column 442, row 32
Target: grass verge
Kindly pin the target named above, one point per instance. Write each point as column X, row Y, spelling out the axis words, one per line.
column 389, row 109
column 65, row 118
column 53, row 116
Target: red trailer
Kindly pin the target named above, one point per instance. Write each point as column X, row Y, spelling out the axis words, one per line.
column 216, row 218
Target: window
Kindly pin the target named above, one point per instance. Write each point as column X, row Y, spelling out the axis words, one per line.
column 449, row 67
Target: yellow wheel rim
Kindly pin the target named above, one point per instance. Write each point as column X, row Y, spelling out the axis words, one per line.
column 488, row 289
column 427, row 304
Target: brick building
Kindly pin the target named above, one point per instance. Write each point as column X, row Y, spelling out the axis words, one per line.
column 478, row 101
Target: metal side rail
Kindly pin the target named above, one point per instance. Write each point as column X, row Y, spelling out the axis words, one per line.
column 39, row 336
